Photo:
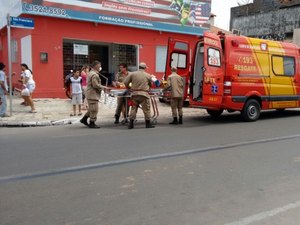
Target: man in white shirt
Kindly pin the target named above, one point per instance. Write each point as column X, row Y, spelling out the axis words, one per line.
column 76, row 81
column 3, row 91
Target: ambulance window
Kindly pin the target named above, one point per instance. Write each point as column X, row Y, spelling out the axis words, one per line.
column 289, row 66
column 178, row 60
column 283, row 65
column 181, row 46
column 214, row 58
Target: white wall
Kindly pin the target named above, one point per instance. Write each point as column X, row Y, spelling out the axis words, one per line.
column 26, row 51
column 296, row 37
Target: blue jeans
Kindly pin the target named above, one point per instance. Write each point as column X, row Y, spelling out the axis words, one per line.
column 3, row 106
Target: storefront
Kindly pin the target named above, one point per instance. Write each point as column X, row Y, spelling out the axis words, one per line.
column 67, row 36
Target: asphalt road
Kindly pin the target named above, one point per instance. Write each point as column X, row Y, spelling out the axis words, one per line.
column 206, row 172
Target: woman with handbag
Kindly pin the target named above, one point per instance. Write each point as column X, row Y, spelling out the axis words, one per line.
column 28, row 86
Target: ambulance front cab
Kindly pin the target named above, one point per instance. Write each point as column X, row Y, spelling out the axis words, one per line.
column 260, row 75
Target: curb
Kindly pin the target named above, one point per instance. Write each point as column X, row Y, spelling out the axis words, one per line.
column 38, row 123
column 67, row 121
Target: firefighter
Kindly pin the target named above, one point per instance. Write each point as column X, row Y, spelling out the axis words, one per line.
column 140, row 87
column 175, row 84
column 93, row 93
column 121, row 100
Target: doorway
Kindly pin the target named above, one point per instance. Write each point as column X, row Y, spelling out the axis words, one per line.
column 77, row 53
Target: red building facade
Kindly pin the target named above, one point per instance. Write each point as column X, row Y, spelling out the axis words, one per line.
column 56, row 45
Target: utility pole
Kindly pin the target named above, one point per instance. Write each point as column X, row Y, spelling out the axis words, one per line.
column 9, row 63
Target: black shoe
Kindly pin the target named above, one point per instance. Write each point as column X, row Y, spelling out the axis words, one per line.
column 117, row 119
column 130, row 125
column 84, row 120
column 149, row 124
column 93, row 125
column 175, row 121
column 180, row 120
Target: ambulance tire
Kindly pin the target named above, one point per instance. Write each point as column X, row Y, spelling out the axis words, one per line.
column 251, row 110
column 214, row 113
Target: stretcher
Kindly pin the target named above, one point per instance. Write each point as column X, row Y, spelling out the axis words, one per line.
column 153, row 93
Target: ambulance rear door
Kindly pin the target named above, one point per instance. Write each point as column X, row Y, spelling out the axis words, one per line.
column 213, row 70
column 178, row 56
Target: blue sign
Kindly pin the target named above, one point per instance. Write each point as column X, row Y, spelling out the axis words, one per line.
column 152, row 16
column 21, row 22
column 214, row 89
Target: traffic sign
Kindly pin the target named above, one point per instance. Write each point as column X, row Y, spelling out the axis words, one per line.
column 21, row 22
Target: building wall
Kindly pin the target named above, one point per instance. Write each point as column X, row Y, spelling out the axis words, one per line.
column 48, row 35
column 267, row 18
column 296, row 38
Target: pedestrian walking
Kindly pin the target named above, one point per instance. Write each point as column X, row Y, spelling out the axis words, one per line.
column 121, row 100
column 93, row 93
column 28, row 86
column 3, row 91
column 76, row 88
column 140, row 87
column 175, row 84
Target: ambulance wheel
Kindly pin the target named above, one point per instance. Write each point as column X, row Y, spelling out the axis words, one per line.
column 251, row 110
column 214, row 113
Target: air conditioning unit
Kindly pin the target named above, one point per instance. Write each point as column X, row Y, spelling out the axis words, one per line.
column 236, row 32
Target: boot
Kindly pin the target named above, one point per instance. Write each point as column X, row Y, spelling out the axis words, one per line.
column 130, row 125
column 175, row 122
column 84, row 120
column 180, row 120
column 149, row 124
column 117, row 119
column 93, row 125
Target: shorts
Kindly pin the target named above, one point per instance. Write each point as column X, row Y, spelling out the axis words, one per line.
column 30, row 87
column 77, row 99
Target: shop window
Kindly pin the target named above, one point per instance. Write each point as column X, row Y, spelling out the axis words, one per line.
column 77, row 53
column 283, row 65
column 73, row 61
column 122, row 53
column 161, row 58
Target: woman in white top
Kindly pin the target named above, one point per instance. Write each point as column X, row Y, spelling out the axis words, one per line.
column 28, row 86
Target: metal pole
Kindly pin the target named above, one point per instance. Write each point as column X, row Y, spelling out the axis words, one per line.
column 9, row 63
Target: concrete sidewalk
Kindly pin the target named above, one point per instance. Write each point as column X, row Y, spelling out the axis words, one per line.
column 52, row 112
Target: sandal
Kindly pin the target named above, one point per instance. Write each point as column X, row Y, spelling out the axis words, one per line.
column 33, row 111
column 72, row 114
column 79, row 114
column 24, row 103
